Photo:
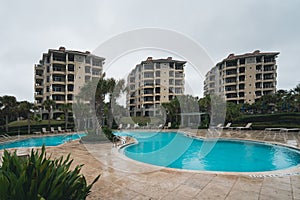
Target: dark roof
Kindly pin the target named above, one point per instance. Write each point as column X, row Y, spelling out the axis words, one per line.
column 247, row 55
column 162, row 60
column 63, row 50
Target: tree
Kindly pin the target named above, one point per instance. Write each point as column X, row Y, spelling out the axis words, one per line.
column 95, row 92
column 82, row 114
column 9, row 104
column 297, row 97
column 173, row 111
column 205, row 103
column 48, row 105
column 115, row 90
column 66, row 108
column 25, row 107
column 232, row 111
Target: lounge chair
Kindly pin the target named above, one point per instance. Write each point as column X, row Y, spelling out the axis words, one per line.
column 272, row 129
column 228, row 126
column 248, row 126
column 168, row 126
column 135, row 126
column 44, row 130
column 128, row 126
column 160, row 126
column 23, row 152
column 60, row 130
column 219, row 126
column 120, row 126
column 52, row 130
column 37, row 132
column 292, row 142
column 289, row 129
column 68, row 130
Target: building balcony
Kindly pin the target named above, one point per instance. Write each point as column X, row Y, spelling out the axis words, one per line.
column 148, row 70
column 61, row 62
column 70, row 101
column 70, row 62
column 59, row 82
column 149, row 78
column 148, row 86
column 70, row 92
column 230, row 91
column 38, row 96
column 59, row 92
column 70, row 72
column 233, row 98
column 230, row 75
column 59, row 72
column 60, row 101
column 39, row 77
column 230, row 83
column 268, row 88
column 147, row 94
column 231, row 67
column 39, row 86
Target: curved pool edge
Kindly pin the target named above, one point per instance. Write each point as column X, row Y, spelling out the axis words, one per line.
column 32, row 136
column 294, row 170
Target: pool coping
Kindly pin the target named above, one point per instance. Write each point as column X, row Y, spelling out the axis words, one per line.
column 295, row 170
column 25, row 137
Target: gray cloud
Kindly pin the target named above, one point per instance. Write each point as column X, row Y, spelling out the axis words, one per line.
column 29, row 28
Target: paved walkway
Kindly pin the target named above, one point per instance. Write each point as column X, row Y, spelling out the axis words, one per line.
column 123, row 178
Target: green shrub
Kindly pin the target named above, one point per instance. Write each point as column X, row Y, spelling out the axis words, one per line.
column 108, row 133
column 39, row 177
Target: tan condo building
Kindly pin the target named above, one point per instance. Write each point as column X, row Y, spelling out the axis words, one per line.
column 243, row 78
column 61, row 74
column 153, row 82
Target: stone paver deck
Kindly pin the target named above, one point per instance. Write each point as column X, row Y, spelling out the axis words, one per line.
column 122, row 178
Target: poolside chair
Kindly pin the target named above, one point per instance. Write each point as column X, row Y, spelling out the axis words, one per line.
column 23, row 152
column 289, row 129
column 37, row 132
column 68, row 130
column 168, row 126
column 292, row 142
column 60, row 130
column 228, row 126
column 44, row 130
column 160, row 126
column 128, row 126
column 52, row 130
column 219, row 126
column 135, row 126
column 120, row 126
column 248, row 126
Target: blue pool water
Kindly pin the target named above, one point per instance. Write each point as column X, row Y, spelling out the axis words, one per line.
column 176, row 150
column 39, row 141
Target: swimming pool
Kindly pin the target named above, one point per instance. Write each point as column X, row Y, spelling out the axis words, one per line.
column 39, row 141
column 176, row 150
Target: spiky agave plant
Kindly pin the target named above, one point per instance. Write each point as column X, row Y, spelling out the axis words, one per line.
column 40, row 177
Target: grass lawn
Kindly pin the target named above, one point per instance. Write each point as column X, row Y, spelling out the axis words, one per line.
column 32, row 122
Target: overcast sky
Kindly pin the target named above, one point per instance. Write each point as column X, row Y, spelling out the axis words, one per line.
column 29, row 28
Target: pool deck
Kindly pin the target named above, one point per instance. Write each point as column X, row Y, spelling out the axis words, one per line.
column 123, row 178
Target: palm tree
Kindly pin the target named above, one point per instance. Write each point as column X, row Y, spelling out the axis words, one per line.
column 9, row 104
column 26, row 107
column 115, row 90
column 66, row 108
column 48, row 105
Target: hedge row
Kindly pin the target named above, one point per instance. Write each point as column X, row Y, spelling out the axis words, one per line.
column 277, row 120
column 23, row 130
